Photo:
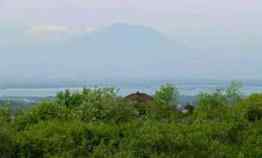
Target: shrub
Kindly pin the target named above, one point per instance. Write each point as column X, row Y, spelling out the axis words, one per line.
column 252, row 144
column 68, row 139
column 42, row 112
column 110, row 111
column 250, row 108
column 7, row 141
column 211, row 107
column 97, row 123
column 5, row 113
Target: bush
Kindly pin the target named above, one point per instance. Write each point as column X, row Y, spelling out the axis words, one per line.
column 97, row 123
column 5, row 113
column 252, row 145
column 70, row 139
column 211, row 107
column 7, row 141
column 42, row 112
column 250, row 108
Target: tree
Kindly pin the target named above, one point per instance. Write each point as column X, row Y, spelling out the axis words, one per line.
column 167, row 95
column 233, row 92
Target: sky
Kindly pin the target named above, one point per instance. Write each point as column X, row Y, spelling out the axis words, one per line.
column 169, row 16
column 219, row 31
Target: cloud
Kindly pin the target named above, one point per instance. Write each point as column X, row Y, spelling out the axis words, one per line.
column 59, row 28
column 56, row 32
column 12, row 35
column 48, row 29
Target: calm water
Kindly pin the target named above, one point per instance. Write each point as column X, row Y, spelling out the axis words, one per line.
column 189, row 89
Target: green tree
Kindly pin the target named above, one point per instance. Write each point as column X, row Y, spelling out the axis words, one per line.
column 233, row 92
column 167, row 95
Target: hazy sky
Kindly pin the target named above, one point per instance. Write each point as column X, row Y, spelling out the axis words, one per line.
column 221, row 31
column 168, row 16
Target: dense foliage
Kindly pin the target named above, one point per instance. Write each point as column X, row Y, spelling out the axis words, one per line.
column 97, row 123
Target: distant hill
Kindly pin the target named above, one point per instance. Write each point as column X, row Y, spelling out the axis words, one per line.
column 117, row 51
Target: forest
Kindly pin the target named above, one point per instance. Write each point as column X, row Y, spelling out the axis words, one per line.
column 98, row 123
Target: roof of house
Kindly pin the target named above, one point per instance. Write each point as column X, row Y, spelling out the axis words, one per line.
column 139, row 97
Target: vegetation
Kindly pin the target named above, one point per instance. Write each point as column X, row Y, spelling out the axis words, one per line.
column 97, row 123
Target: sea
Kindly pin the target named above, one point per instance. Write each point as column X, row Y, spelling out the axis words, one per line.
column 186, row 88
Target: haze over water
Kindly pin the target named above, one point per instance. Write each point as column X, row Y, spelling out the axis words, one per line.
column 185, row 88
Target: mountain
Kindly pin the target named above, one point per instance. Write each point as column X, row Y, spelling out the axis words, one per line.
column 117, row 51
